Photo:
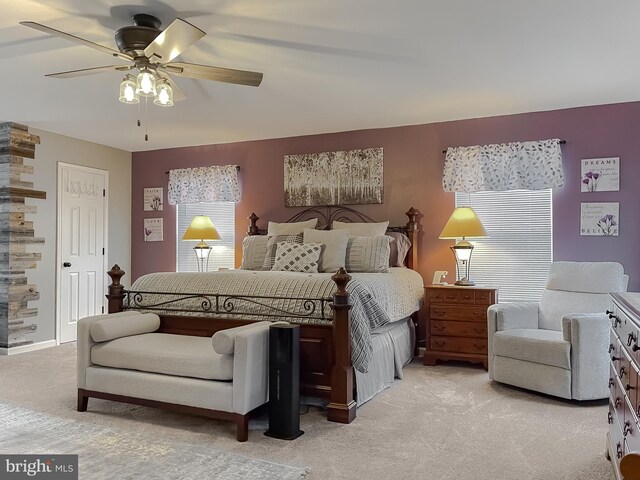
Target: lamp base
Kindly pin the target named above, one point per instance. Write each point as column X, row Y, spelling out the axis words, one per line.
column 465, row 282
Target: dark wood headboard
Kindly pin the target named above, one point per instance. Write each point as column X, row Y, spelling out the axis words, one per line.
column 327, row 214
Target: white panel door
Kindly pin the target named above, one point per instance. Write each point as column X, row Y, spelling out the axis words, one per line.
column 81, row 235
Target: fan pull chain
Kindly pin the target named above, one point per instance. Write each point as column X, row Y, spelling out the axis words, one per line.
column 146, row 120
column 138, row 105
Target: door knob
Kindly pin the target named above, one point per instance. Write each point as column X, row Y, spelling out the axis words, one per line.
column 66, row 264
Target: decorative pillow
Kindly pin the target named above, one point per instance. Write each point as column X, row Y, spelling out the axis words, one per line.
column 368, row 254
column 254, row 251
column 400, row 246
column 335, row 247
column 272, row 245
column 290, row 228
column 296, row 257
column 362, row 229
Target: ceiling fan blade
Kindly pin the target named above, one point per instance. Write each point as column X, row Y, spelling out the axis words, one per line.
column 217, row 74
column 90, row 71
column 178, row 94
column 173, row 40
column 73, row 38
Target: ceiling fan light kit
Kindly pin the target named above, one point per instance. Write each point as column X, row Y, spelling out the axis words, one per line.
column 151, row 51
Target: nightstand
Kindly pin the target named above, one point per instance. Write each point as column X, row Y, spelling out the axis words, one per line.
column 457, row 323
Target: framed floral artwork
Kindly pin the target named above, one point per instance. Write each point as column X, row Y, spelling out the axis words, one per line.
column 600, row 174
column 153, row 199
column 600, row 219
column 153, row 230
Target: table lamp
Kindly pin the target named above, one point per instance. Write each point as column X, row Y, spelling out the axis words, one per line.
column 201, row 228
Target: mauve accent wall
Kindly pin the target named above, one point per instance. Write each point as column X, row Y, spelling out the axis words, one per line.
column 413, row 163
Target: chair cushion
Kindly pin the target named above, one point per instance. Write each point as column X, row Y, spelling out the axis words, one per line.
column 555, row 304
column 587, row 277
column 546, row 347
column 178, row 355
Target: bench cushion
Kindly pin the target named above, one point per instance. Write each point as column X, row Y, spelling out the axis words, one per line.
column 122, row 325
column 178, row 355
column 547, row 347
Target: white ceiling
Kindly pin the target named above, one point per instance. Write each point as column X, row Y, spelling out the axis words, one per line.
column 329, row 65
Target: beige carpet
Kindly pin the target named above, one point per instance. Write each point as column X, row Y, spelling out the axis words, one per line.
column 447, row 422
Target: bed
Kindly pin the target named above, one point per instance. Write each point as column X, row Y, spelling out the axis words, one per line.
column 357, row 330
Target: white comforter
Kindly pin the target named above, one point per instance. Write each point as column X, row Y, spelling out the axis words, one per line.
column 377, row 298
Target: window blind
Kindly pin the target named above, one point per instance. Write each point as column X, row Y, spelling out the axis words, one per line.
column 223, row 215
column 517, row 254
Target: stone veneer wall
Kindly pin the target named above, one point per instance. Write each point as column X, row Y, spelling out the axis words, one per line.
column 16, row 234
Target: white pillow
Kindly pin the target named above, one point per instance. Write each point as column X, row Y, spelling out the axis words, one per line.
column 254, row 251
column 368, row 254
column 298, row 257
column 290, row 228
column 335, row 247
column 362, row 229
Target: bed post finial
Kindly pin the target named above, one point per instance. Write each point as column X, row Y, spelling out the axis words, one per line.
column 412, row 231
column 116, row 290
column 341, row 278
column 253, row 228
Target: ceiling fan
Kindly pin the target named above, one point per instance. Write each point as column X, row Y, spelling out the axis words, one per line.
column 151, row 51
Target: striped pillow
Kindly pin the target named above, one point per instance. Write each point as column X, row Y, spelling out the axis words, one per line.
column 368, row 254
column 272, row 245
column 254, row 251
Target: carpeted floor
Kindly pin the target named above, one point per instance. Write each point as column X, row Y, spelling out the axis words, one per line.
column 447, row 422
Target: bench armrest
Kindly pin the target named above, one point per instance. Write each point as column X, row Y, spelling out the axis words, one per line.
column 251, row 368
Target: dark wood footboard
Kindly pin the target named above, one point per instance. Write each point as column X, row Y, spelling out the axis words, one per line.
column 325, row 349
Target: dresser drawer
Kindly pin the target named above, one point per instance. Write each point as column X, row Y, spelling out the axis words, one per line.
column 628, row 333
column 458, row 312
column 459, row 329
column 457, row 344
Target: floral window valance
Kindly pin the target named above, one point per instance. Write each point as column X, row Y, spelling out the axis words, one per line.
column 204, row 184
column 506, row 166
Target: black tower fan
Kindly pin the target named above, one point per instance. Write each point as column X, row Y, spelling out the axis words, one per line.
column 284, row 382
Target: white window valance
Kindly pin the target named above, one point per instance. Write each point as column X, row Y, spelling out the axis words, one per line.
column 506, row 166
column 203, row 184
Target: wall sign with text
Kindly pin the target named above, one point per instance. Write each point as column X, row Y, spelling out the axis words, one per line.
column 600, row 174
column 153, row 199
column 600, row 219
column 153, row 229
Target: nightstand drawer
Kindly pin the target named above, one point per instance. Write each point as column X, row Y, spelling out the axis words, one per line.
column 459, row 329
column 457, row 344
column 443, row 295
column 458, row 312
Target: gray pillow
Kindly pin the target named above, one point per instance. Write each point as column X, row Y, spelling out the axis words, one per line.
column 254, row 251
column 335, row 247
column 297, row 257
column 368, row 254
column 272, row 245
column 400, row 246
column 361, row 229
column 290, row 228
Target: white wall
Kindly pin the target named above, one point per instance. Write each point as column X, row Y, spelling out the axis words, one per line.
column 56, row 148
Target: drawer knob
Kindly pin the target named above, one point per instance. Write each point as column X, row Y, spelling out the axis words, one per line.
column 618, row 450
column 614, row 358
column 622, row 371
column 609, row 417
column 611, row 347
column 628, row 387
column 609, row 312
column 617, row 402
column 616, row 322
column 611, row 380
column 627, row 428
column 635, row 347
column 631, row 339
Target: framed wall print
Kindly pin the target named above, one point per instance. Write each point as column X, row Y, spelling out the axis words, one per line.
column 600, row 174
column 600, row 219
column 153, row 229
column 153, row 199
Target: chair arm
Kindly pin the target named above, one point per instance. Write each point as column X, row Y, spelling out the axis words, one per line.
column 85, row 342
column 589, row 337
column 507, row 316
column 251, row 368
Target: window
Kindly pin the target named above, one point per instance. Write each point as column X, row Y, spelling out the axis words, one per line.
column 517, row 254
column 223, row 216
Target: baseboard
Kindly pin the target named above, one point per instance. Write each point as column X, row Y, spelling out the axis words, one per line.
column 27, row 348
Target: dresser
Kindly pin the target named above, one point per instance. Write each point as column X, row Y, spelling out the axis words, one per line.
column 624, row 384
column 457, row 323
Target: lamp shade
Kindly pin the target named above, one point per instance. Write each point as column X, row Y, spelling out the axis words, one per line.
column 463, row 223
column 201, row 228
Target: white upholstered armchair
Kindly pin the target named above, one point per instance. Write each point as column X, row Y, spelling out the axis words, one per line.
column 558, row 346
